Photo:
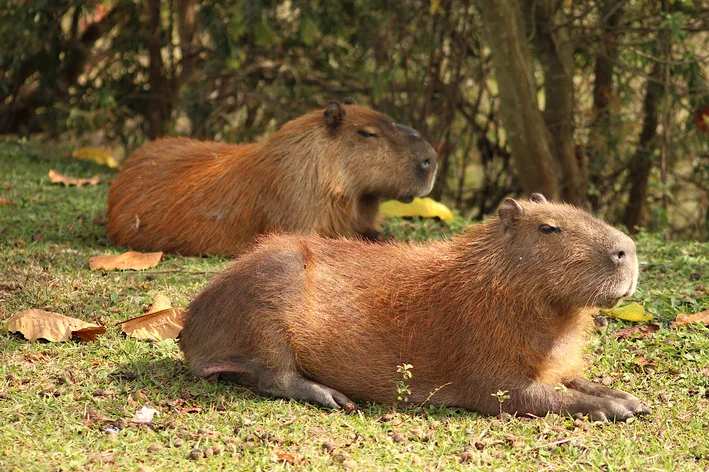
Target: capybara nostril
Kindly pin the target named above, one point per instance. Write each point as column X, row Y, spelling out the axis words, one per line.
column 618, row 257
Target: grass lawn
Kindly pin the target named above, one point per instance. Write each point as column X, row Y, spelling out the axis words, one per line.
column 68, row 406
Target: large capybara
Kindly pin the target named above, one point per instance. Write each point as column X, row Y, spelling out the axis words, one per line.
column 505, row 305
column 322, row 173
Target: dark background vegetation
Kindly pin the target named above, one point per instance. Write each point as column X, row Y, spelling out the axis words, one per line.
column 601, row 103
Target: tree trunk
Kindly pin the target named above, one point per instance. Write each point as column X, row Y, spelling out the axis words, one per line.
column 641, row 163
column 602, row 127
column 555, row 51
column 157, row 109
column 189, row 40
column 529, row 138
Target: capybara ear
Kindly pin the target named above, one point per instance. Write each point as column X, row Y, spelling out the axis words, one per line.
column 510, row 212
column 334, row 113
column 537, row 198
column 349, row 101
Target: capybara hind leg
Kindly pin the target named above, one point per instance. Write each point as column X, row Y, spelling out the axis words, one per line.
column 213, row 368
column 590, row 388
column 293, row 385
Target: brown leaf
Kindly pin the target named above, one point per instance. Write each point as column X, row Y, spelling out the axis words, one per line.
column 160, row 302
column 163, row 324
column 641, row 331
column 130, row 260
column 284, row 456
column 642, row 362
column 35, row 324
column 5, row 201
column 89, row 333
column 57, row 178
column 684, row 319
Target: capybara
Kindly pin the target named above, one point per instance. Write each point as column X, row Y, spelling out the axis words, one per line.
column 322, row 173
column 505, row 305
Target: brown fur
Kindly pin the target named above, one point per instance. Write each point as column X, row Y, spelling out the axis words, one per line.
column 322, row 173
column 503, row 306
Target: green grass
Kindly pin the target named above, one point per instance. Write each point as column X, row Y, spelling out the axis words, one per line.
column 68, row 406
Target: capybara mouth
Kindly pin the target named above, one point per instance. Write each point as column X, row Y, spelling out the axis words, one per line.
column 405, row 199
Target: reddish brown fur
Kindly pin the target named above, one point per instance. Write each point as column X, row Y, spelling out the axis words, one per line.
column 502, row 306
column 317, row 174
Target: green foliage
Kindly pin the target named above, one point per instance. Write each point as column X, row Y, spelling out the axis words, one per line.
column 402, row 387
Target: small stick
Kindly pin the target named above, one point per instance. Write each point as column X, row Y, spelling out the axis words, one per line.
column 555, row 443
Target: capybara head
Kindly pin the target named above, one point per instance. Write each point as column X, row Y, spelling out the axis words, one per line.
column 400, row 164
column 564, row 255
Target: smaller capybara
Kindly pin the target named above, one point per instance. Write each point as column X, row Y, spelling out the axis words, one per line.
column 504, row 306
column 322, row 173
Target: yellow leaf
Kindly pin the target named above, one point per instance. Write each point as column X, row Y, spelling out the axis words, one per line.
column 630, row 312
column 97, row 155
column 40, row 324
column 126, row 261
column 434, row 6
column 425, row 207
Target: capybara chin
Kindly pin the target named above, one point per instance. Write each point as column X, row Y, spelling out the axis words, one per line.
column 323, row 173
column 505, row 305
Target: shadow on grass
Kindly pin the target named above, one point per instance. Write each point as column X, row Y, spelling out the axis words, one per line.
column 173, row 377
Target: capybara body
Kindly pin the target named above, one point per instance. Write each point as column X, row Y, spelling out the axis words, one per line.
column 505, row 305
column 322, row 173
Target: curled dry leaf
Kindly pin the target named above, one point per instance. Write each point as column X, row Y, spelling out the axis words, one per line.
column 130, row 260
column 57, row 178
column 684, row 319
column 160, row 302
column 642, row 331
column 160, row 323
column 40, row 324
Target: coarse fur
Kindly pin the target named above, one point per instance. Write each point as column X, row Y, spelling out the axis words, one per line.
column 322, row 173
column 505, row 305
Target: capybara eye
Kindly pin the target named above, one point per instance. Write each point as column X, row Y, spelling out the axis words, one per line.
column 426, row 164
column 548, row 229
column 367, row 134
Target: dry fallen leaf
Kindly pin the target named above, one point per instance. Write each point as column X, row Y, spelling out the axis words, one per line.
column 642, row 362
column 285, row 456
column 684, row 319
column 57, row 178
column 160, row 302
column 36, row 324
column 130, row 260
column 642, row 331
column 163, row 324
column 5, row 201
